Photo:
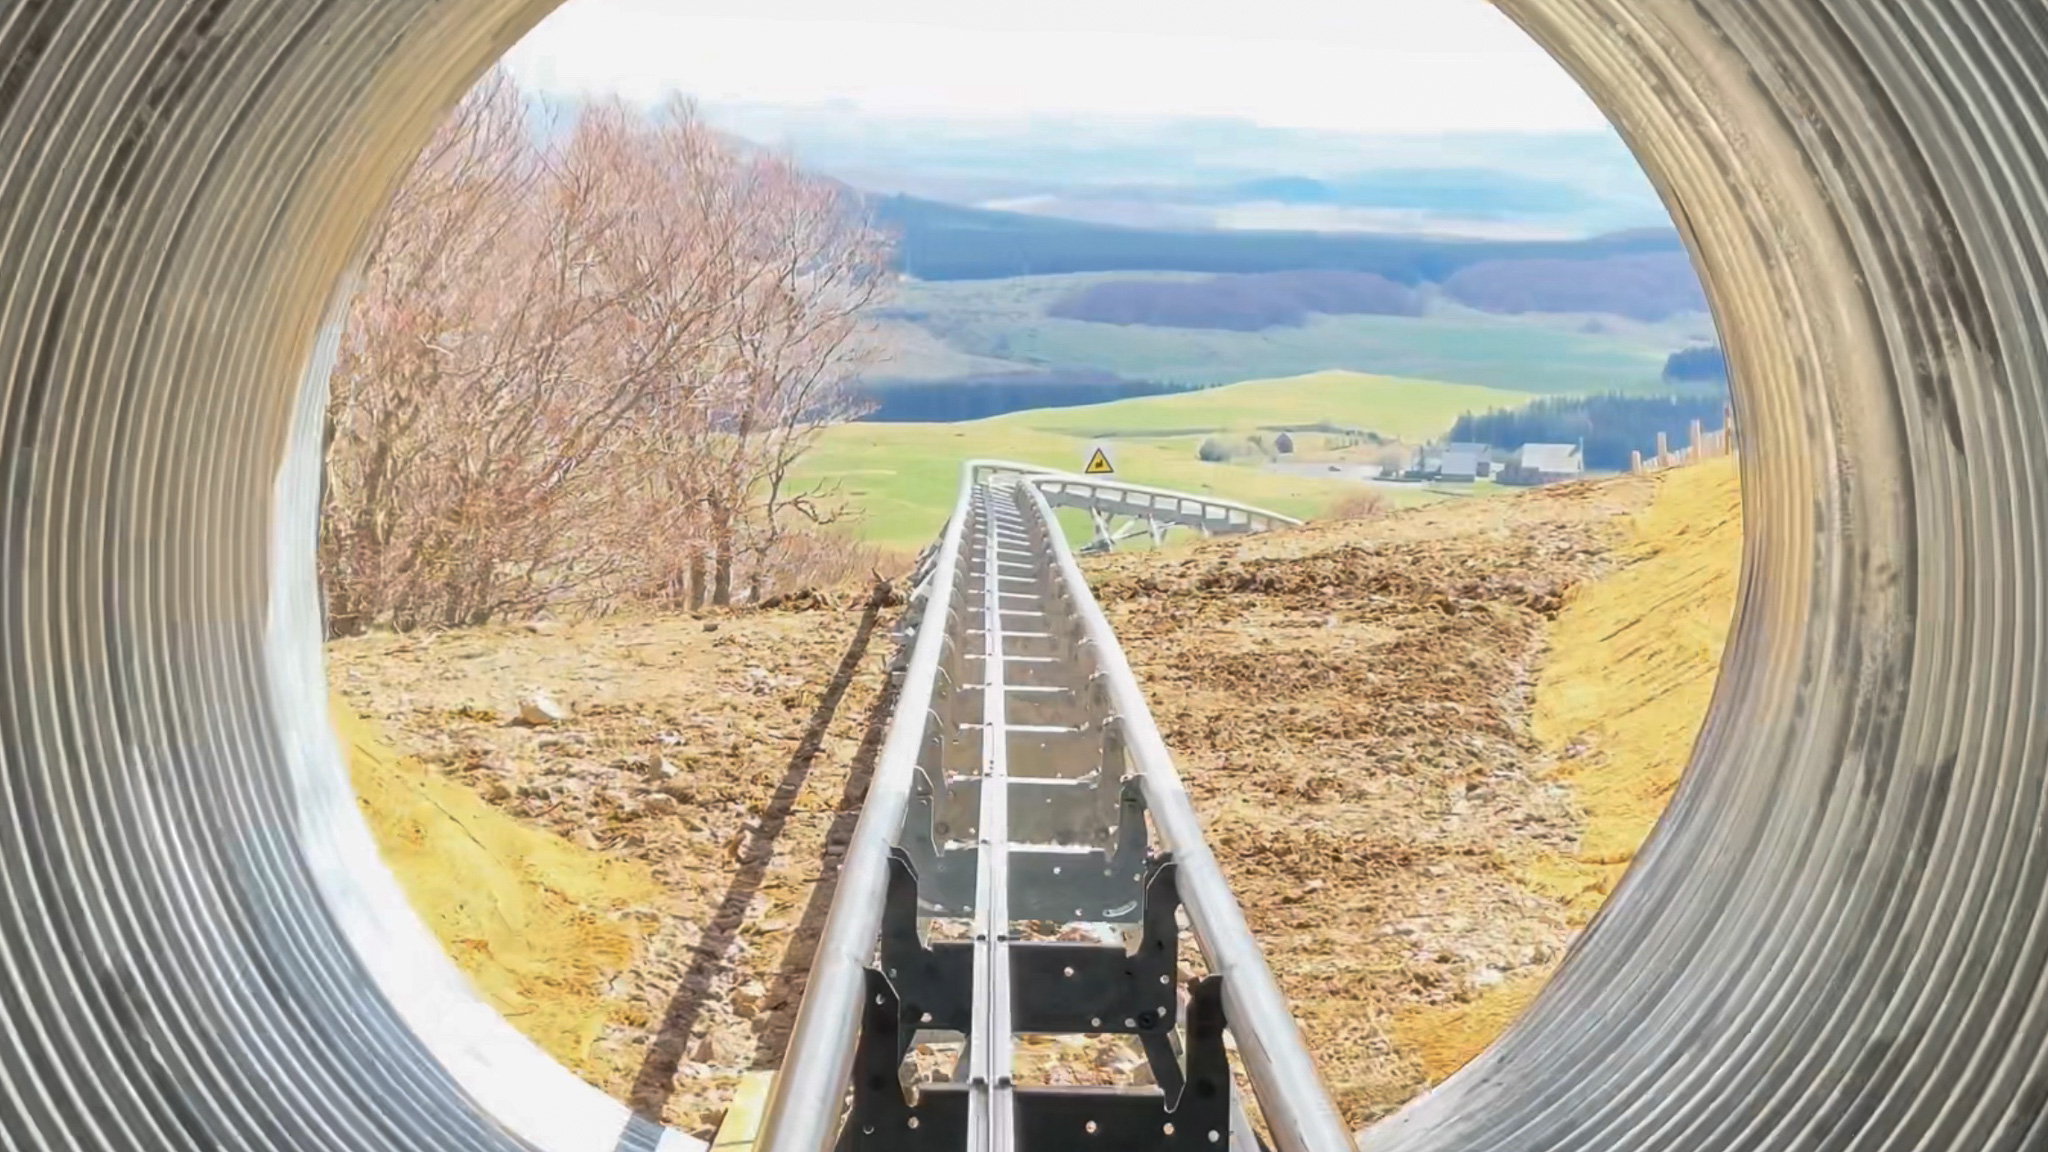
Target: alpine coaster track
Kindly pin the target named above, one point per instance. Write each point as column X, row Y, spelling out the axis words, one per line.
column 1014, row 787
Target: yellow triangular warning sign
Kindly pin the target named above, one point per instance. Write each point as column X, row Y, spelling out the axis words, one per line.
column 1098, row 464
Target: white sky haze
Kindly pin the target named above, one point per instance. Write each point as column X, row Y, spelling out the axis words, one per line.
column 1369, row 66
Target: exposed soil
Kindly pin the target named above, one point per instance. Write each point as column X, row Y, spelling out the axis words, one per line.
column 723, row 753
column 1350, row 707
column 1350, row 703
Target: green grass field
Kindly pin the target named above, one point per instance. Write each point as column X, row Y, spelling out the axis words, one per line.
column 903, row 478
column 1399, row 408
column 1004, row 320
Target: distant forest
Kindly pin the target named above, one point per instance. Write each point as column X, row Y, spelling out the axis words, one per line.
column 1239, row 303
column 1703, row 365
column 1610, row 426
column 1645, row 286
column 978, row 397
column 938, row 241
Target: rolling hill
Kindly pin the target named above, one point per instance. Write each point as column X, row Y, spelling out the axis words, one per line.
column 938, row 241
column 1009, row 321
column 902, row 478
column 1640, row 286
column 1245, row 302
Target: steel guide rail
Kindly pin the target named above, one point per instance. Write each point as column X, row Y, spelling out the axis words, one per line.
column 1013, row 789
column 992, row 1055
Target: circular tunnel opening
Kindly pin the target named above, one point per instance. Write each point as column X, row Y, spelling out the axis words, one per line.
column 1857, row 818
column 1404, row 845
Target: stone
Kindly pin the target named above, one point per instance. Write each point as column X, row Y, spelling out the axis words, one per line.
column 539, row 710
column 746, row 999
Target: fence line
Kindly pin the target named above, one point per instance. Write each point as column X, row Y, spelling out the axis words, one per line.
column 1701, row 445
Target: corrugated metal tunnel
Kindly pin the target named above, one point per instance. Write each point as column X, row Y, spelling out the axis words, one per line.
column 1835, row 940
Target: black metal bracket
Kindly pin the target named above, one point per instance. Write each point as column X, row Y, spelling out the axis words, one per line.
column 1058, row 987
column 887, row 1117
column 1194, row 1115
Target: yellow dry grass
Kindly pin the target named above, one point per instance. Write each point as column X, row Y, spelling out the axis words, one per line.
column 1619, row 702
column 1632, row 667
column 538, row 924
column 1442, row 1038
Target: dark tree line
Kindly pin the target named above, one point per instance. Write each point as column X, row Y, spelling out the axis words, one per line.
column 1642, row 286
column 1610, row 426
column 1242, row 303
column 936, row 241
column 977, row 397
column 1702, row 365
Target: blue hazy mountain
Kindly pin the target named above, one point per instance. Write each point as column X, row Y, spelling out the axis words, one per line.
column 1479, row 192
column 1204, row 173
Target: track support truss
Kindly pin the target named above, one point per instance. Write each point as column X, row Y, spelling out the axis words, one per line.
column 1034, row 859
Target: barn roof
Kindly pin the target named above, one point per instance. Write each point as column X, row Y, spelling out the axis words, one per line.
column 1460, row 460
column 1551, row 458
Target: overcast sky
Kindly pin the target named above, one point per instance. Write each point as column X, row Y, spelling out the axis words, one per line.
column 1360, row 65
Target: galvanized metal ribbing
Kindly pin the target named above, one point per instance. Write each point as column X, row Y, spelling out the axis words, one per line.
column 1835, row 940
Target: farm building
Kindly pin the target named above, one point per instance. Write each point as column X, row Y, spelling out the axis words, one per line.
column 1425, row 464
column 1456, row 463
column 1542, row 464
column 1460, row 464
column 1482, row 458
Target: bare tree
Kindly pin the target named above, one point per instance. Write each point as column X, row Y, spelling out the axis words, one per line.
column 814, row 271
column 582, row 372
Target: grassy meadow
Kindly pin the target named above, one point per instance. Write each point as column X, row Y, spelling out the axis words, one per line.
column 903, row 478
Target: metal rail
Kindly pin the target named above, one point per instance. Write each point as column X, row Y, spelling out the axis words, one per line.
column 1014, row 786
column 1290, row 1091
column 1144, row 509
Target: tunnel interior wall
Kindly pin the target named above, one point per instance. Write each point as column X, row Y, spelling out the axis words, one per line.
column 1833, row 940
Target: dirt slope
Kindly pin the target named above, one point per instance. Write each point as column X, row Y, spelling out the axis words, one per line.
column 540, row 925
column 1622, row 689
column 1423, row 746
column 1350, row 705
column 708, row 760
